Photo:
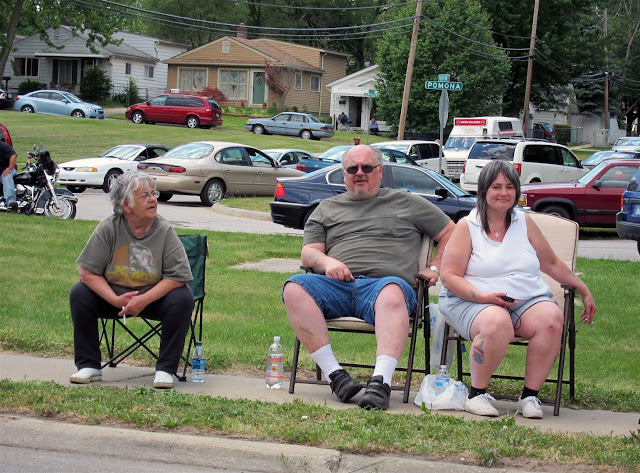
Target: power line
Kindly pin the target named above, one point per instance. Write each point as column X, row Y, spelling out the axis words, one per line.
column 384, row 7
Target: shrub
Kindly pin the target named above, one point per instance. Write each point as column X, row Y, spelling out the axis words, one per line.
column 29, row 85
column 273, row 108
column 213, row 93
column 131, row 94
column 95, row 85
column 562, row 132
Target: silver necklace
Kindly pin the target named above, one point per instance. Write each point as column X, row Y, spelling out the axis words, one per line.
column 497, row 233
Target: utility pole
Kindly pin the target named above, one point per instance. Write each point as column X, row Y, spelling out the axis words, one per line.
column 407, row 79
column 606, row 75
column 532, row 47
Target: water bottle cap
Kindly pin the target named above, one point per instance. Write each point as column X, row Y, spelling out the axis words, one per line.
column 276, row 339
column 198, row 344
column 443, row 367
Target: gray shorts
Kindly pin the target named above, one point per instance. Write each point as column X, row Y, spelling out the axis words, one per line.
column 461, row 313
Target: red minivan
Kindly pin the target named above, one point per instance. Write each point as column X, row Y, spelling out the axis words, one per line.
column 191, row 110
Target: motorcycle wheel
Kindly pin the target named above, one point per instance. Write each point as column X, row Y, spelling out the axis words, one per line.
column 66, row 210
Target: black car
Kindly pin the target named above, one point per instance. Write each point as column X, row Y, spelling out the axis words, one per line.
column 6, row 100
column 296, row 198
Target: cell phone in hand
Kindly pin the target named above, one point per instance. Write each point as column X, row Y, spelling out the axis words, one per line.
column 507, row 299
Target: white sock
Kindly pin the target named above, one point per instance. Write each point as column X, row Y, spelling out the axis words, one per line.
column 385, row 366
column 326, row 360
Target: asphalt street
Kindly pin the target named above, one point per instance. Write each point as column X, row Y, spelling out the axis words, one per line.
column 187, row 212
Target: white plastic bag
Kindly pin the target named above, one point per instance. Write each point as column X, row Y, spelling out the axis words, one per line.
column 437, row 332
column 452, row 398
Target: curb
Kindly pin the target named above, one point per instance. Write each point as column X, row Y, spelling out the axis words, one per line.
column 223, row 209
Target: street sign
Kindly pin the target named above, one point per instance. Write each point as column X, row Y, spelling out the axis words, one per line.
column 444, row 108
column 372, row 93
column 443, row 77
column 441, row 85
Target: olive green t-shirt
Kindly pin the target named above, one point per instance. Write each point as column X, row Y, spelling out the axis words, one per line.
column 376, row 237
column 129, row 263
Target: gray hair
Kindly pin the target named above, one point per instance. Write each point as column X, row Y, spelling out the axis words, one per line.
column 376, row 152
column 489, row 174
column 124, row 186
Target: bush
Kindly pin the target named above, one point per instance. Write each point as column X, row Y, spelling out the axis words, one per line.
column 562, row 132
column 131, row 94
column 95, row 85
column 273, row 109
column 213, row 93
column 29, row 85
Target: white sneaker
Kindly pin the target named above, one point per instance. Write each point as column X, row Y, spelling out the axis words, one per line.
column 481, row 405
column 86, row 375
column 529, row 407
column 163, row 380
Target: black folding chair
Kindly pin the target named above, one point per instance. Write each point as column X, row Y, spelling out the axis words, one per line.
column 197, row 252
column 355, row 325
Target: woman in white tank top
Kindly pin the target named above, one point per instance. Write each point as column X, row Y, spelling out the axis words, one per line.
column 493, row 290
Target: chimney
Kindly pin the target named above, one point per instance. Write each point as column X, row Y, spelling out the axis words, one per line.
column 241, row 31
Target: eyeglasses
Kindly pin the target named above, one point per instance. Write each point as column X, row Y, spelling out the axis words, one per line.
column 147, row 195
column 366, row 168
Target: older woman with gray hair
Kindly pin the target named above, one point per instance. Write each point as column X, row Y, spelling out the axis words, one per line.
column 133, row 264
column 493, row 289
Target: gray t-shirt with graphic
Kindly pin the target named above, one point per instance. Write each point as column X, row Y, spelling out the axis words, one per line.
column 376, row 237
column 129, row 263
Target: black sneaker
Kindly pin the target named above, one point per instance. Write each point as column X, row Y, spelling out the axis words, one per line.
column 13, row 206
column 377, row 394
column 343, row 385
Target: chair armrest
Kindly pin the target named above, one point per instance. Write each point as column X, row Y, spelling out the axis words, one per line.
column 306, row 269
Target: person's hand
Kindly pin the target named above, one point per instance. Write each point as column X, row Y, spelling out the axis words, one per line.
column 432, row 276
column 6, row 172
column 589, row 309
column 337, row 270
column 496, row 298
column 123, row 300
column 135, row 305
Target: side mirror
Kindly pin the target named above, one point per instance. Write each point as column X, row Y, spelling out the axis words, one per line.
column 442, row 192
column 597, row 184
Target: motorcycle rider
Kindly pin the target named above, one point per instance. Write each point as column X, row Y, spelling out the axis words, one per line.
column 8, row 158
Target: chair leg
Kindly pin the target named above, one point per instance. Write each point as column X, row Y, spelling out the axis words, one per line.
column 294, row 366
column 412, row 351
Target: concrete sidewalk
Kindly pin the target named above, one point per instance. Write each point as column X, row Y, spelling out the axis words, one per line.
column 20, row 367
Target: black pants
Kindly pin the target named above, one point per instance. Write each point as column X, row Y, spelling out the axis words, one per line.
column 174, row 310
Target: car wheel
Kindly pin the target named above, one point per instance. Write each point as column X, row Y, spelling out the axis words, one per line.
column 193, row 122
column 164, row 196
column 212, row 192
column 77, row 189
column 557, row 210
column 77, row 114
column 109, row 180
column 306, row 135
column 258, row 130
column 137, row 117
column 638, row 246
column 27, row 109
column 307, row 215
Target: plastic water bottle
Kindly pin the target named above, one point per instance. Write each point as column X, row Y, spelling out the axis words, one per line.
column 197, row 364
column 442, row 380
column 275, row 365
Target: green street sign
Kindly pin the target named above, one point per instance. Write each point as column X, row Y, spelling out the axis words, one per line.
column 443, row 77
column 371, row 93
column 441, row 85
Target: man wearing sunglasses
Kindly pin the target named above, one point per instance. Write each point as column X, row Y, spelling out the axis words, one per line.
column 362, row 247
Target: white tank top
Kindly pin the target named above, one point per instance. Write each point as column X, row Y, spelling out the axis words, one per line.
column 511, row 266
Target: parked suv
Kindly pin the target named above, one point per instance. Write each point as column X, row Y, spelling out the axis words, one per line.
column 593, row 200
column 628, row 219
column 191, row 110
column 536, row 161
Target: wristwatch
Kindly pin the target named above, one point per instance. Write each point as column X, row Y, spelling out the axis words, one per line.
column 434, row 268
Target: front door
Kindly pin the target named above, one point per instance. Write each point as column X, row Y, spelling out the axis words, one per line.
column 258, row 89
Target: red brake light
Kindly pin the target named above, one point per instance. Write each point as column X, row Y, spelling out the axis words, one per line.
column 279, row 190
column 464, row 167
column 518, row 168
column 301, row 167
column 164, row 167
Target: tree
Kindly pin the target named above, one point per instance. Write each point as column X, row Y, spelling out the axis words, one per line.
column 281, row 78
column 95, row 85
column 482, row 69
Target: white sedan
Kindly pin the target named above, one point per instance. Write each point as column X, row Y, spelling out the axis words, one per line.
column 101, row 171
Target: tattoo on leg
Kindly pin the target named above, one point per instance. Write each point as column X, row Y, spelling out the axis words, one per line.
column 478, row 354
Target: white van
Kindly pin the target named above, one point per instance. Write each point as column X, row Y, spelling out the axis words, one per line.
column 465, row 132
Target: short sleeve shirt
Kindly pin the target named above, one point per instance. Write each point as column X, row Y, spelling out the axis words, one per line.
column 376, row 237
column 6, row 152
column 129, row 263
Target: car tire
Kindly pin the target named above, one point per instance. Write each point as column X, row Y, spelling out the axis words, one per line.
column 109, row 178
column 306, row 135
column 193, row 122
column 639, row 247
column 212, row 192
column 77, row 113
column 77, row 189
column 258, row 130
column 164, row 196
column 137, row 117
column 307, row 215
column 557, row 210
column 27, row 109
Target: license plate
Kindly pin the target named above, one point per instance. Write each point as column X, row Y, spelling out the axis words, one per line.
column 635, row 210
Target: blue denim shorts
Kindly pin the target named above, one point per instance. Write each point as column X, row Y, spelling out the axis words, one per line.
column 351, row 299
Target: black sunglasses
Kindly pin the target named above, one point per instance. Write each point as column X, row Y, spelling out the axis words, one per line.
column 366, row 168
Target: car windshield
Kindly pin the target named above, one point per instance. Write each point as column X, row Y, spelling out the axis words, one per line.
column 598, row 157
column 591, row 174
column 335, row 153
column 191, row 151
column 395, row 146
column 312, row 119
column 126, row 153
column 459, row 143
column 274, row 154
column 72, row 98
column 627, row 142
column 492, row 151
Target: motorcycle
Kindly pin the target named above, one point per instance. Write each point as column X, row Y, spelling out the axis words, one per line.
column 35, row 193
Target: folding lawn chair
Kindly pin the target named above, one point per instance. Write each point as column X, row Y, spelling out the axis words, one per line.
column 197, row 252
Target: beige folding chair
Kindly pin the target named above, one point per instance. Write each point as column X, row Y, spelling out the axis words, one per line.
column 355, row 325
column 562, row 235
